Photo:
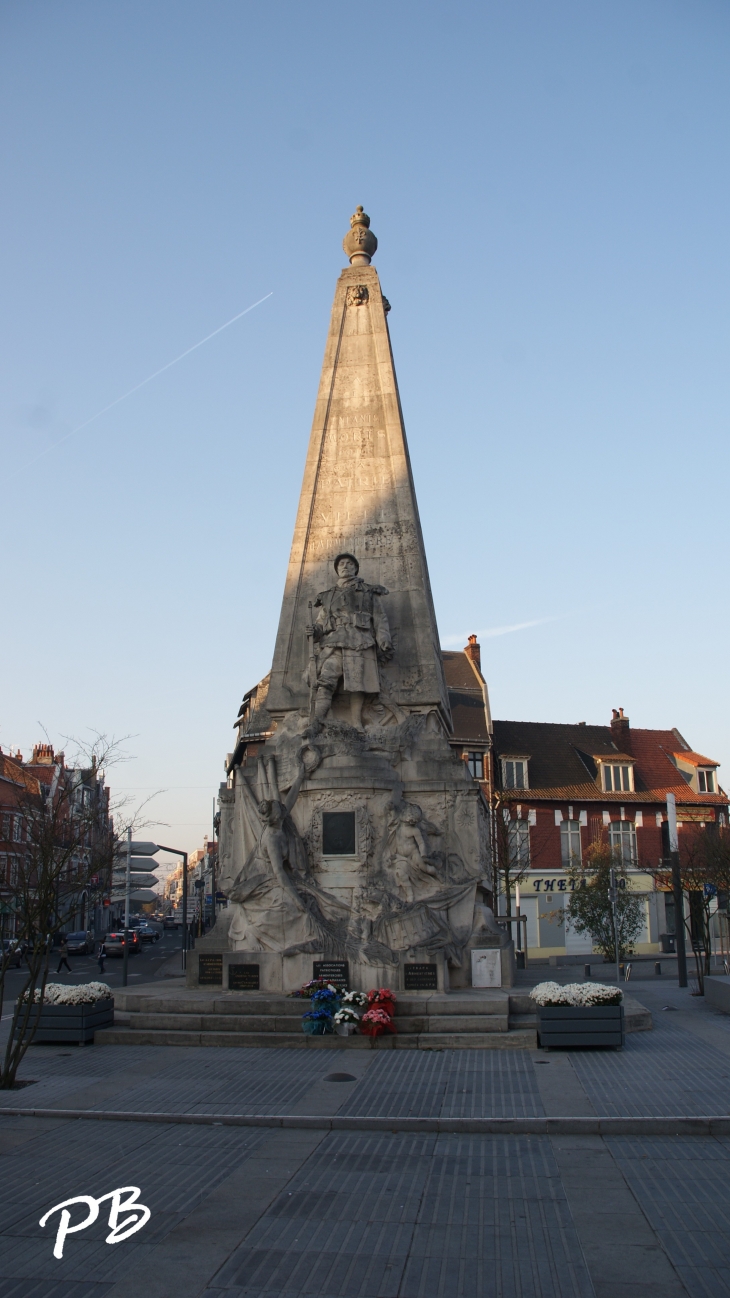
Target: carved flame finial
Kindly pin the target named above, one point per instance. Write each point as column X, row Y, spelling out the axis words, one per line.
column 360, row 242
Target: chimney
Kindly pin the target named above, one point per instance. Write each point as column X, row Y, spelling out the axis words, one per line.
column 473, row 652
column 42, row 755
column 621, row 731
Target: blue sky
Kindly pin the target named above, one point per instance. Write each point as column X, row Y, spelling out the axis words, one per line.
column 548, row 181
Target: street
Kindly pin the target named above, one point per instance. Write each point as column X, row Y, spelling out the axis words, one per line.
column 85, row 968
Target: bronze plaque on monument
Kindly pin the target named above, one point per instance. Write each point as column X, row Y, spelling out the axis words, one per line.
column 210, row 970
column 420, row 977
column 243, row 977
column 333, row 971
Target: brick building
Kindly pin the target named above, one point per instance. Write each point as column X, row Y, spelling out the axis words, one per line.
column 559, row 787
column 38, row 777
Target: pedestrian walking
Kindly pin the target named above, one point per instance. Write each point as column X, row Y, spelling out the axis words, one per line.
column 63, row 953
column 101, row 957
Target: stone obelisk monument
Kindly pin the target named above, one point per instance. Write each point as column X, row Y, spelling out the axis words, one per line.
column 350, row 832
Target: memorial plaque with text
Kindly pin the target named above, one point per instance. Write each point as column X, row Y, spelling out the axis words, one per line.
column 243, row 977
column 210, row 970
column 333, row 971
column 420, row 977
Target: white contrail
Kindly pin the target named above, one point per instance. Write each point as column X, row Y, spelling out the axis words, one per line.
column 137, row 387
column 490, row 632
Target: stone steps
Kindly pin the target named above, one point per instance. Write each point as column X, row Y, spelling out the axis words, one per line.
column 472, row 1020
column 252, row 1023
column 475, row 1020
column 525, row 1039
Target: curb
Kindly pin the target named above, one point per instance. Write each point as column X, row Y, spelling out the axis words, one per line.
column 589, row 1126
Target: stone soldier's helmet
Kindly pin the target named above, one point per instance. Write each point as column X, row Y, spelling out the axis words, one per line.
column 345, row 555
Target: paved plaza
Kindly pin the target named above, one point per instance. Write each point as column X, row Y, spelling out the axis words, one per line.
column 243, row 1212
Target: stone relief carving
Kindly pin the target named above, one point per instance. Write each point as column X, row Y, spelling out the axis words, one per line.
column 357, row 295
column 410, row 891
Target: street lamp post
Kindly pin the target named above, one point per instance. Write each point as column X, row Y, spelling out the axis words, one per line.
column 127, row 889
column 677, row 890
column 613, row 897
column 174, row 851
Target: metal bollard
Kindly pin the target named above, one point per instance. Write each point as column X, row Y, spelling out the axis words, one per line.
column 657, row 967
column 586, row 971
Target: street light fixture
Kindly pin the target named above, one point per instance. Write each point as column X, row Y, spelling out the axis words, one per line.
column 151, row 849
column 175, row 851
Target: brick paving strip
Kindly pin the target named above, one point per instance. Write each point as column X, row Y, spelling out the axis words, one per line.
column 548, row 1126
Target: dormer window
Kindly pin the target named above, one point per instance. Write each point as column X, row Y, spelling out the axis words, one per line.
column 514, row 773
column 617, row 777
column 699, row 772
column 475, row 763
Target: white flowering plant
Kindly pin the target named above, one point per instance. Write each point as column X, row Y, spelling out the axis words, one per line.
column 355, row 998
column 83, row 994
column 347, row 1015
column 583, row 994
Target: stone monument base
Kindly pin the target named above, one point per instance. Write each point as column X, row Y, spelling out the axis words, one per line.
column 419, row 972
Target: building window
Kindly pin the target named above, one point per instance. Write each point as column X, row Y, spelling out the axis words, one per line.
column 475, row 762
column 570, row 842
column 706, row 781
column 518, row 843
column 338, row 833
column 514, row 773
column 617, row 779
column 622, row 836
column 17, row 823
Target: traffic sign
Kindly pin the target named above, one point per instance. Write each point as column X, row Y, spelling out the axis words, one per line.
column 135, row 880
column 142, row 863
column 138, row 849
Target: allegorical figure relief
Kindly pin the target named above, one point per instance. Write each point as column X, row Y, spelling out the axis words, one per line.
column 413, row 864
column 349, row 628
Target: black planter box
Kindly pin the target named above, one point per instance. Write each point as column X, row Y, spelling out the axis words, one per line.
column 580, row 1025
column 71, row 1023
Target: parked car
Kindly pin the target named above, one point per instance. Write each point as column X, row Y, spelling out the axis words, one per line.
column 147, row 933
column 114, row 943
column 12, row 953
column 80, row 943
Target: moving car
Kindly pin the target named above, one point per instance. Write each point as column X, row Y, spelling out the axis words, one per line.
column 169, row 922
column 80, row 943
column 148, row 934
column 114, row 943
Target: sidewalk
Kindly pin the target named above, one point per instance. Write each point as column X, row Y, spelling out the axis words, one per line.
column 241, row 1212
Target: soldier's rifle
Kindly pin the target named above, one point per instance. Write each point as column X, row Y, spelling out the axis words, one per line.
column 312, row 665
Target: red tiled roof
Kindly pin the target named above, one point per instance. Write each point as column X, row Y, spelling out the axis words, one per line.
column 460, row 672
column 695, row 759
column 16, row 774
column 466, row 699
column 561, row 753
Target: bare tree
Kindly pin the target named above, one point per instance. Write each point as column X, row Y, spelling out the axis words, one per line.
column 66, row 848
column 513, row 852
column 704, row 867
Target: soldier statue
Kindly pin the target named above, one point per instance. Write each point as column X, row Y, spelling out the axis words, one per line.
column 349, row 629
